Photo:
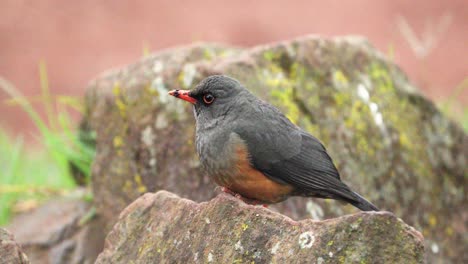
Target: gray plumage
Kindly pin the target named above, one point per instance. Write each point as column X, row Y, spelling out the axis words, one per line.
column 279, row 149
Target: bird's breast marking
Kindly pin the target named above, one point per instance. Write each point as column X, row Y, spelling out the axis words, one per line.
column 253, row 184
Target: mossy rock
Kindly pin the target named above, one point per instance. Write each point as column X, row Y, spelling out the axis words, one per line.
column 163, row 228
column 389, row 143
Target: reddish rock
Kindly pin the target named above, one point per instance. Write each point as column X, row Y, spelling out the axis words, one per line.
column 389, row 142
column 10, row 251
column 163, row 228
column 60, row 232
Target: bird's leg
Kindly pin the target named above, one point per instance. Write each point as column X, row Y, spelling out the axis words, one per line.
column 226, row 190
column 242, row 198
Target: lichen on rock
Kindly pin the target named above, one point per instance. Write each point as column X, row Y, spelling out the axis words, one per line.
column 163, row 228
column 389, row 143
column 10, row 250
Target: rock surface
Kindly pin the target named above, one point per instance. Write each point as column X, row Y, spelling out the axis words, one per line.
column 10, row 251
column 163, row 228
column 389, row 143
column 60, row 232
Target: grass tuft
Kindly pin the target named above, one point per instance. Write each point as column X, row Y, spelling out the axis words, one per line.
column 32, row 175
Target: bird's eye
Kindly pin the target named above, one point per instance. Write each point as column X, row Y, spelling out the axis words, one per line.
column 208, row 98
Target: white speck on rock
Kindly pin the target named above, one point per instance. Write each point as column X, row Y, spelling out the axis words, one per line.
column 330, row 254
column 363, row 93
column 210, row 257
column 378, row 119
column 435, row 248
column 158, row 85
column 306, row 240
column 178, row 243
column 207, row 220
column 147, row 136
column 290, row 50
column 314, row 210
column 238, row 247
column 194, row 163
column 152, row 162
column 275, row 248
column 158, row 66
column 374, row 108
column 320, row 260
column 355, row 226
column 161, row 121
column 189, row 72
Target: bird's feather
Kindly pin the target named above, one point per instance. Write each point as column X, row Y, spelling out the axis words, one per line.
column 287, row 154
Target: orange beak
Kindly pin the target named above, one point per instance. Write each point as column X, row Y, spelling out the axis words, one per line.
column 184, row 95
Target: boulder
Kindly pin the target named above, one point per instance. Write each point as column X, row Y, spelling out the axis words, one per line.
column 63, row 231
column 10, row 251
column 163, row 228
column 389, row 142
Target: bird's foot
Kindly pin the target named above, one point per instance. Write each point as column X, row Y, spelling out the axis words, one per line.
column 242, row 198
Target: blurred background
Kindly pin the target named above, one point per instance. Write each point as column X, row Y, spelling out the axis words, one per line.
column 51, row 49
column 77, row 40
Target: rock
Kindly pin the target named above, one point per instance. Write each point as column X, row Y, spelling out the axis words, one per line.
column 163, row 228
column 10, row 251
column 60, row 232
column 390, row 143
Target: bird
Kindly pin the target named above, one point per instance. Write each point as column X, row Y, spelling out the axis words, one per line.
column 252, row 150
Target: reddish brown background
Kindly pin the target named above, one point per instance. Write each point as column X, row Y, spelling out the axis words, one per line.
column 80, row 39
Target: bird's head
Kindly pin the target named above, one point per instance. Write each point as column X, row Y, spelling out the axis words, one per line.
column 213, row 97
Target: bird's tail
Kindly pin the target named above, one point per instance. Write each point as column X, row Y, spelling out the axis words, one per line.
column 361, row 203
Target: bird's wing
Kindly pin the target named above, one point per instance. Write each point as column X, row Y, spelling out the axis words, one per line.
column 287, row 154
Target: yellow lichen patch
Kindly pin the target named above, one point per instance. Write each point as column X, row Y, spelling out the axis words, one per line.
column 117, row 91
column 118, row 142
column 180, row 79
column 358, row 121
column 449, row 231
column 339, row 77
column 116, row 88
column 298, row 72
column 355, row 118
column 150, row 90
column 341, row 99
column 128, row 186
column 432, row 220
column 404, row 140
column 270, row 55
column 208, row 54
column 285, row 98
column 139, row 183
column 381, row 76
column 244, row 226
column 121, row 106
column 283, row 94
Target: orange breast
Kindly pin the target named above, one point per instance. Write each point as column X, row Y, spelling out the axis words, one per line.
column 251, row 183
